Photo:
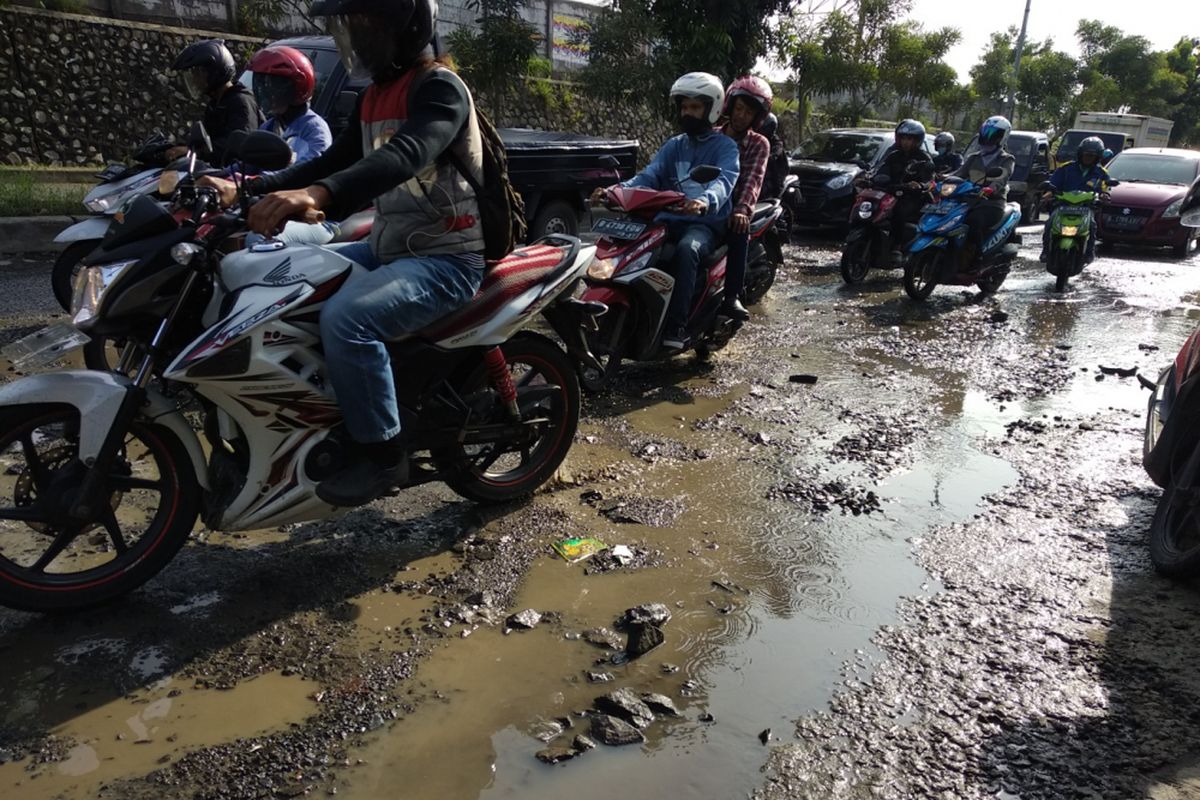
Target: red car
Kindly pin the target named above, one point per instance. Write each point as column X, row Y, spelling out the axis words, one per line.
column 1155, row 183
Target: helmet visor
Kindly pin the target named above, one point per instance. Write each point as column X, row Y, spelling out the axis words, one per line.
column 274, row 93
column 195, row 80
column 367, row 44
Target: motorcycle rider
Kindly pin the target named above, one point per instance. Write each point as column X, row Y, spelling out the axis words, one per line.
column 1085, row 174
column 947, row 160
column 747, row 102
column 777, row 164
column 703, row 217
column 425, row 257
column 208, row 72
column 987, row 214
column 904, row 166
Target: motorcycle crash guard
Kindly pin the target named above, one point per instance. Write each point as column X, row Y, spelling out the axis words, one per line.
column 90, row 228
column 98, row 396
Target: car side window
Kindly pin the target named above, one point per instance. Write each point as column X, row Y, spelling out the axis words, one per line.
column 324, row 62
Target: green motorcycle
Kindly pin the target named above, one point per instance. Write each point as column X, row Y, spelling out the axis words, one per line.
column 1071, row 224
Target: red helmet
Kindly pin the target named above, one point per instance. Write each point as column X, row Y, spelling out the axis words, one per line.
column 753, row 88
column 283, row 76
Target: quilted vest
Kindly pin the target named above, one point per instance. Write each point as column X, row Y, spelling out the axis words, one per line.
column 434, row 212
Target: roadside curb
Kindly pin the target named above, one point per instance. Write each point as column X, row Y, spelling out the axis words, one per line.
column 32, row 234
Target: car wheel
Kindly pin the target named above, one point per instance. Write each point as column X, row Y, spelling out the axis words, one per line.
column 1182, row 249
column 557, row 217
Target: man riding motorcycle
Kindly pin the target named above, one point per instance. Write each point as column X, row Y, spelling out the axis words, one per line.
column 1085, row 174
column 208, row 72
column 748, row 101
column 903, row 165
column 702, row 220
column 946, row 160
column 425, row 257
column 991, row 154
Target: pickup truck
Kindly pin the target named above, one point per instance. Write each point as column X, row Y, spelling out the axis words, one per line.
column 554, row 172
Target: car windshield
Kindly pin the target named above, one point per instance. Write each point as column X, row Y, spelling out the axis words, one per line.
column 1153, row 168
column 844, row 148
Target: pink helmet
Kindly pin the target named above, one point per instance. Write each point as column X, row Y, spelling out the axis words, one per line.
column 755, row 89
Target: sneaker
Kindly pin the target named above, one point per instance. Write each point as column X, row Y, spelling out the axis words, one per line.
column 677, row 341
column 371, row 472
column 735, row 310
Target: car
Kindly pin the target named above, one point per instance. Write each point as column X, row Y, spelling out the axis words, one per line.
column 827, row 165
column 1155, row 183
column 1031, row 149
column 553, row 172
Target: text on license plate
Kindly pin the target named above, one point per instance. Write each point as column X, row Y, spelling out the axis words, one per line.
column 619, row 228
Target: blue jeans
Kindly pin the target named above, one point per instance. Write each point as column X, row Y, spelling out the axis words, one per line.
column 735, row 265
column 695, row 244
column 387, row 303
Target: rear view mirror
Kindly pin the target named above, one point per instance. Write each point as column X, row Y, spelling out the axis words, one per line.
column 261, row 149
column 1191, row 219
column 198, row 140
column 705, row 174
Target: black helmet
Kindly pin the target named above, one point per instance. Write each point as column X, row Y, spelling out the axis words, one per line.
column 378, row 38
column 769, row 125
column 944, row 142
column 206, row 66
column 910, row 127
column 1093, row 145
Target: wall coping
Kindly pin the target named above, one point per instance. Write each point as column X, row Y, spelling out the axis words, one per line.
column 122, row 23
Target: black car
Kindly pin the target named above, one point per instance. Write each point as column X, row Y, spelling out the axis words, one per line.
column 1031, row 150
column 554, row 172
column 827, row 165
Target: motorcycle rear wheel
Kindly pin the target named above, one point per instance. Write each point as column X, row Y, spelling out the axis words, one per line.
column 921, row 274
column 50, row 564
column 502, row 473
column 760, row 275
column 856, row 261
column 1175, row 537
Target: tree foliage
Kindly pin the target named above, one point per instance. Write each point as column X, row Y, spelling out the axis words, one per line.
column 499, row 53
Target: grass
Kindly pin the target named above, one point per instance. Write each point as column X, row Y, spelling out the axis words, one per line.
column 23, row 196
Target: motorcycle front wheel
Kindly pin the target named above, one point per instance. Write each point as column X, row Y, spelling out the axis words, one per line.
column 49, row 562
column 548, row 396
column 921, row 273
column 856, row 260
column 1175, row 536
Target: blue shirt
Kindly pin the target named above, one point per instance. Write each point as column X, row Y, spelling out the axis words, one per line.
column 1072, row 177
column 308, row 135
column 669, row 171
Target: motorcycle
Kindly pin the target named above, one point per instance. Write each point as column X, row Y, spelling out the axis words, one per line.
column 631, row 276
column 104, row 475
column 150, row 174
column 792, row 201
column 1071, row 224
column 935, row 255
column 868, row 244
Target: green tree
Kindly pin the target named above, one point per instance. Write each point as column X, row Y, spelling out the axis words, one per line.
column 913, row 64
column 1047, row 88
column 497, row 55
column 260, row 17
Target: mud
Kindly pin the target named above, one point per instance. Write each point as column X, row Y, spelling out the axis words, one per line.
column 927, row 561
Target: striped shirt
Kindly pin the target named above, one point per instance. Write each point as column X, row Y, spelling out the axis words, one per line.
column 754, row 150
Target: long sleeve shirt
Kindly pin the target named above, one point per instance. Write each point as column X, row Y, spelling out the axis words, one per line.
column 1074, row 177
column 670, row 169
column 235, row 110
column 754, row 150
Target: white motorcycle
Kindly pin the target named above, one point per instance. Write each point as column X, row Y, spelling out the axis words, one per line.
column 102, row 476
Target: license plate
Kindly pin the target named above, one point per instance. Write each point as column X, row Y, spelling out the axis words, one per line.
column 934, row 208
column 619, row 228
column 1126, row 223
column 43, row 348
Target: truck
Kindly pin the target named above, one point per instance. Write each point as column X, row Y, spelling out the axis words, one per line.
column 1117, row 131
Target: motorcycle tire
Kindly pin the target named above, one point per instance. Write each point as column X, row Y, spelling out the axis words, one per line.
column 66, row 267
column 920, row 274
column 475, row 476
column 1175, row 537
column 28, row 433
column 856, row 261
column 760, row 276
column 1060, row 283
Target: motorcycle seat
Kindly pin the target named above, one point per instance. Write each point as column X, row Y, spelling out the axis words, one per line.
column 355, row 227
column 507, row 279
column 763, row 209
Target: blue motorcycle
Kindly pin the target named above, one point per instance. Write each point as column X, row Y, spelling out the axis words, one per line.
column 935, row 255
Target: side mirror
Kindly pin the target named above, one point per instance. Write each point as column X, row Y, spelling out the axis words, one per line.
column 1191, row 219
column 995, row 172
column 261, row 149
column 345, row 104
column 1114, row 183
column 198, row 140
column 705, row 173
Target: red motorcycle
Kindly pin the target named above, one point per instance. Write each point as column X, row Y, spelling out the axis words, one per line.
column 632, row 275
column 869, row 242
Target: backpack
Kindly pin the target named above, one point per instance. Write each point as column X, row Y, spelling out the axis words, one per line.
column 501, row 208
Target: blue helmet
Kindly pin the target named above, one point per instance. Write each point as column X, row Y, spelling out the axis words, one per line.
column 994, row 131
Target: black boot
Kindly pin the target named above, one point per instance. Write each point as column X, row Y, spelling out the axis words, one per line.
column 734, row 309
column 371, row 471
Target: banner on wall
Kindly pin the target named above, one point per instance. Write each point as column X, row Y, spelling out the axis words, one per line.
column 569, row 46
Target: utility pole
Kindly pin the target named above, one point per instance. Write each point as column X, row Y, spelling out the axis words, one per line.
column 1016, row 80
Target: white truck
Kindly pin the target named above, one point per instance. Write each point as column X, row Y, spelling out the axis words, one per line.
column 1139, row 129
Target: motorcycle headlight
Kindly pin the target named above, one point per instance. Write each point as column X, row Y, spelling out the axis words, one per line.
column 865, row 209
column 90, row 286
column 1174, row 210
column 947, row 189
column 183, row 253
column 840, row 181
column 601, row 269
column 1070, row 230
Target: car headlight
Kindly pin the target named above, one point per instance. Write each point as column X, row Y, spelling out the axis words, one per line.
column 1070, row 230
column 90, row 286
column 865, row 210
column 1175, row 209
column 840, row 181
column 601, row 269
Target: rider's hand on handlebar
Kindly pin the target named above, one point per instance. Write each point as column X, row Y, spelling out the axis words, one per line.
column 271, row 212
column 175, row 152
column 599, row 196
column 227, row 190
column 739, row 223
column 695, row 208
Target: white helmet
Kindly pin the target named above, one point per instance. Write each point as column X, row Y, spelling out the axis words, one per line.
column 701, row 86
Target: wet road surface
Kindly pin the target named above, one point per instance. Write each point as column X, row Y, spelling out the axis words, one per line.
column 922, row 576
